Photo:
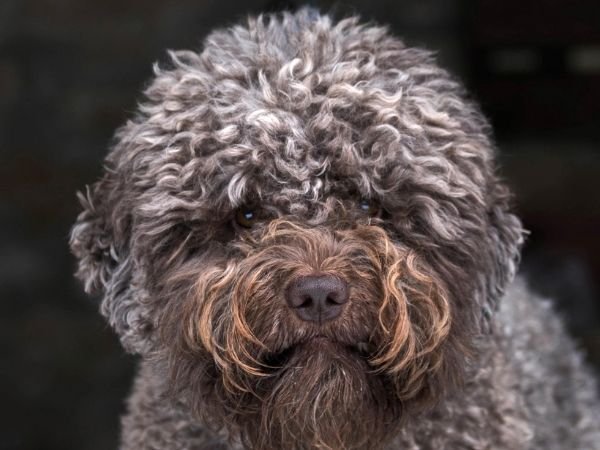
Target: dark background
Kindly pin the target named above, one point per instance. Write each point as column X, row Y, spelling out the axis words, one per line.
column 70, row 73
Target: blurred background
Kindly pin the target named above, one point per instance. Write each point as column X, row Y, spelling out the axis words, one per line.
column 70, row 73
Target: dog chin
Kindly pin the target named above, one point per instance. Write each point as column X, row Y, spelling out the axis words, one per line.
column 326, row 394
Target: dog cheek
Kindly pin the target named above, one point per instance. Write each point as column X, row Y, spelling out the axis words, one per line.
column 415, row 326
column 212, row 314
column 413, row 342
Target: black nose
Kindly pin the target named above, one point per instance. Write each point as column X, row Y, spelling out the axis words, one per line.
column 317, row 298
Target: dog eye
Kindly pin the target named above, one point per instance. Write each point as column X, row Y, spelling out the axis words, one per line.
column 369, row 207
column 246, row 217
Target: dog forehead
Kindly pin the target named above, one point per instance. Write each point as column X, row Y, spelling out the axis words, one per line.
column 279, row 152
column 337, row 137
column 324, row 108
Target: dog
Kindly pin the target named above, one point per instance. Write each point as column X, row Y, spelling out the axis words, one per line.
column 303, row 234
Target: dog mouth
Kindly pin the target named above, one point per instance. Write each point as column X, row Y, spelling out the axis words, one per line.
column 317, row 343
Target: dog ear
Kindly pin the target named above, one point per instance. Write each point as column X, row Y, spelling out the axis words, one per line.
column 100, row 242
column 92, row 238
column 505, row 236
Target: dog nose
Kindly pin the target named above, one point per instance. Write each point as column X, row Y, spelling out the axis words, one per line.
column 317, row 298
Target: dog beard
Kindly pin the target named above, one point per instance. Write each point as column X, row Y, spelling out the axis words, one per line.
column 324, row 396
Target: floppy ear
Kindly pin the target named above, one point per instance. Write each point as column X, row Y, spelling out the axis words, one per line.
column 505, row 236
column 100, row 241
column 92, row 239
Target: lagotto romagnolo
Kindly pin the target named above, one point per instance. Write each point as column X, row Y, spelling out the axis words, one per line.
column 303, row 235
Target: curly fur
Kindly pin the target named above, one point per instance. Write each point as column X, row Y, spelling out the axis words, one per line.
column 300, row 118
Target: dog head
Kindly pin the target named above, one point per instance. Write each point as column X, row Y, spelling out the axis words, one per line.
column 304, row 224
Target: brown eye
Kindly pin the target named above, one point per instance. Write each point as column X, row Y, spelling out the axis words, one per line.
column 369, row 207
column 246, row 217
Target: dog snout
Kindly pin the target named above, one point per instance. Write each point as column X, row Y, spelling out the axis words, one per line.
column 317, row 298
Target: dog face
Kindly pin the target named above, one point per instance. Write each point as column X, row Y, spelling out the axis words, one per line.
column 302, row 223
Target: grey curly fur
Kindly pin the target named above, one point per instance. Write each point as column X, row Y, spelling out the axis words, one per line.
column 302, row 117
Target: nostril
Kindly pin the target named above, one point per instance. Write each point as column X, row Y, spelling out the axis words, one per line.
column 332, row 299
column 306, row 302
column 338, row 296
